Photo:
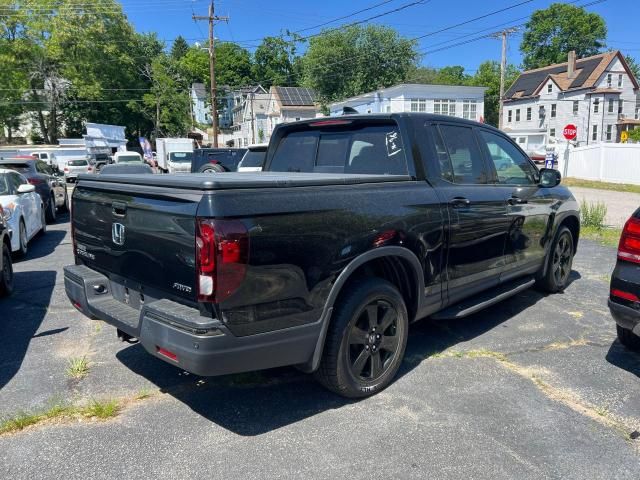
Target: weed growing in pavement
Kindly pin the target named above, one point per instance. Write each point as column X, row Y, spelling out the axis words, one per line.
column 102, row 410
column 592, row 214
column 77, row 367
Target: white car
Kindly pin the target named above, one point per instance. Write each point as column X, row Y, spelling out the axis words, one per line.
column 22, row 209
column 127, row 157
column 253, row 159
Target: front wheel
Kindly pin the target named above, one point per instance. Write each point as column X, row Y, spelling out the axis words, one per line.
column 559, row 262
column 366, row 340
column 213, row 168
column 22, row 240
column 51, row 210
column 6, row 274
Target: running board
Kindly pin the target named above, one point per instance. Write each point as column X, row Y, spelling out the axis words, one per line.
column 483, row 300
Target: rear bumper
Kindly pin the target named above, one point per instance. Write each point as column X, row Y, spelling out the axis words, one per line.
column 626, row 317
column 201, row 345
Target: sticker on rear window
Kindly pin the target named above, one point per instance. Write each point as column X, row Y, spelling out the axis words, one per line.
column 393, row 143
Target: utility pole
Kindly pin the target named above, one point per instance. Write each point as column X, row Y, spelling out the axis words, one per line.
column 212, row 18
column 503, row 64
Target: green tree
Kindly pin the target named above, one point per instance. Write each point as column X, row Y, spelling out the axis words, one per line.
column 488, row 75
column 233, row 65
column 426, row 75
column 179, row 48
column 552, row 33
column 633, row 66
column 275, row 62
column 634, row 135
column 357, row 59
column 453, row 75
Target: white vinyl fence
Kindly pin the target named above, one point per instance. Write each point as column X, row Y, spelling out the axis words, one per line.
column 606, row 162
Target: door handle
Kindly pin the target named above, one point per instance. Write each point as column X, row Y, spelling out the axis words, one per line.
column 459, row 202
column 514, row 200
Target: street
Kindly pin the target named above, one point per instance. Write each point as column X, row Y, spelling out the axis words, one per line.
column 535, row 387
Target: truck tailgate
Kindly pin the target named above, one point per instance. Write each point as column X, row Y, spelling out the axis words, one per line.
column 143, row 239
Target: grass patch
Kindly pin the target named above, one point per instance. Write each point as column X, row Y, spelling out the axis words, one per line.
column 77, row 367
column 101, row 410
column 592, row 214
column 604, row 236
column 617, row 187
column 143, row 393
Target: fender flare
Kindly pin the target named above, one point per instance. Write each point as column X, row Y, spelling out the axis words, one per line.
column 342, row 279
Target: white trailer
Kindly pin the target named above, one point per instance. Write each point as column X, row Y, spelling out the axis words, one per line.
column 174, row 154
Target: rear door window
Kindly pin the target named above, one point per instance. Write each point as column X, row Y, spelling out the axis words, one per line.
column 372, row 149
column 77, row 163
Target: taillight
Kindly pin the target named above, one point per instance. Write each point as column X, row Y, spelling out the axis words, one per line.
column 66, row 169
column 36, row 181
column 629, row 246
column 222, row 255
column 88, row 169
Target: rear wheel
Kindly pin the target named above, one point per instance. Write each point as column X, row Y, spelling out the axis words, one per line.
column 43, row 221
column 628, row 338
column 366, row 340
column 65, row 205
column 22, row 240
column 6, row 274
column 213, row 168
column 51, row 210
column 559, row 262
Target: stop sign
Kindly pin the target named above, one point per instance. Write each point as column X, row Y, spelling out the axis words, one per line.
column 570, row 132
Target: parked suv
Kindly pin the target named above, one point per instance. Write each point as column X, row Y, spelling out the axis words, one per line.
column 216, row 160
column 49, row 185
column 6, row 267
column 357, row 226
column 72, row 168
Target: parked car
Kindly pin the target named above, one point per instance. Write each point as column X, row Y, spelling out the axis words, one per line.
column 358, row 226
column 127, row 157
column 624, row 294
column 216, row 160
column 23, row 209
column 174, row 154
column 126, row 169
column 6, row 267
column 50, row 186
column 253, row 159
column 72, row 168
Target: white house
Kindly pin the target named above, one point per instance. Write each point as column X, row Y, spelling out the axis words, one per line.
column 249, row 115
column 290, row 104
column 597, row 94
column 454, row 100
column 200, row 108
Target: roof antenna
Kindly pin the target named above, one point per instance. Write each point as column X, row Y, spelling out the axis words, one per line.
column 349, row 111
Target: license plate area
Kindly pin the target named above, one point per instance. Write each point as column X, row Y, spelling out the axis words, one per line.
column 128, row 293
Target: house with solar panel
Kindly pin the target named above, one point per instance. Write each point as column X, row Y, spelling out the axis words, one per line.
column 597, row 94
column 454, row 100
column 290, row 104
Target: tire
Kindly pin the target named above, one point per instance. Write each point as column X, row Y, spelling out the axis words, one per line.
column 628, row 338
column 6, row 274
column 51, row 210
column 65, row 206
column 355, row 362
column 214, row 168
column 558, row 263
column 22, row 240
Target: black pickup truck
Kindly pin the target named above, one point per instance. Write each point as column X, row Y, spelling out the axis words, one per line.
column 359, row 226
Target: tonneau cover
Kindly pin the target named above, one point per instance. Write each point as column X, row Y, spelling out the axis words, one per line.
column 240, row 180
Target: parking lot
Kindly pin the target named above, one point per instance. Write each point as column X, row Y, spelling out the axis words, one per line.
column 536, row 387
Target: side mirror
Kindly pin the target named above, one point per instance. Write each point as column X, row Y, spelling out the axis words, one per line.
column 549, row 177
column 26, row 188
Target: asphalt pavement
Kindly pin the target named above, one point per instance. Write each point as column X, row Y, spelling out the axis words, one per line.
column 535, row 387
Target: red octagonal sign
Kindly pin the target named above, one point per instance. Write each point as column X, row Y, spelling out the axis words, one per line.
column 570, row 132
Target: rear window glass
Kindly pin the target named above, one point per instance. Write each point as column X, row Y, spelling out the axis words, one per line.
column 4, row 184
column 373, row 149
column 129, row 158
column 18, row 167
column 77, row 163
column 181, row 157
column 253, row 159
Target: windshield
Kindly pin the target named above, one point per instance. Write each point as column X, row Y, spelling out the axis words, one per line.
column 181, row 157
column 4, row 184
column 129, row 158
column 77, row 163
column 370, row 149
column 253, row 158
column 18, row 167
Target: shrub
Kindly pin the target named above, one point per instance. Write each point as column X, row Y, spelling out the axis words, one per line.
column 592, row 214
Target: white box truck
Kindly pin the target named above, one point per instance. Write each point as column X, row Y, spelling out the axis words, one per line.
column 174, row 154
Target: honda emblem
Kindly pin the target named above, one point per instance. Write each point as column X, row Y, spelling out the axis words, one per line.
column 117, row 233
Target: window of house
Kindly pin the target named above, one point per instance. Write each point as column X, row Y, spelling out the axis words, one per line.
column 594, row 132
column 549, row 87
column 553, row 110
column 388, row 108
column 522, row 140
column 620, row 76
column 610, row 109
column 552, row 132
column 511, row 165
column 444, row 107
column 418, row 104
column 463, row 162
column 541, row 111
column 528, row 113
column 609, row 132
column 609, row 80
column 509, row 115
column 469, row 109
column 596, row 105
column 620, row 105
column 576, row 106
column 517, row 114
